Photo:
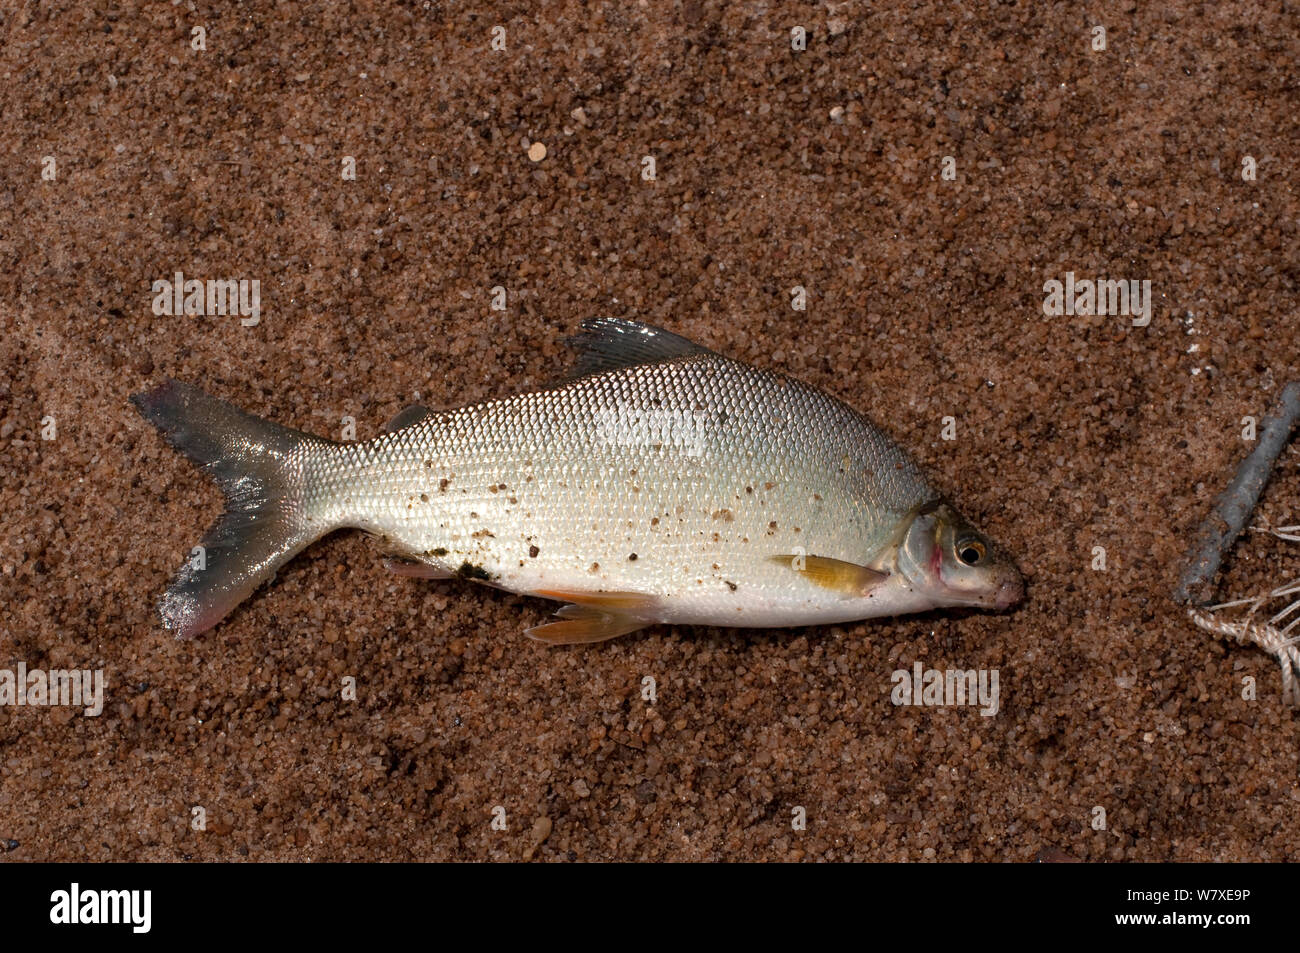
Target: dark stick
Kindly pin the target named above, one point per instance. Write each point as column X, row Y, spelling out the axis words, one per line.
column 1237, row 502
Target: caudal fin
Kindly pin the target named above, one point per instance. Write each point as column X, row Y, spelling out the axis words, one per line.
column 260, row 468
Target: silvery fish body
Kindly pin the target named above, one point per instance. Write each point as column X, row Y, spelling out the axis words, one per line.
column 663, row 483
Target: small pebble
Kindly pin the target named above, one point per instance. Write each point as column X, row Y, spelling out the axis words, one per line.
column 541, row 830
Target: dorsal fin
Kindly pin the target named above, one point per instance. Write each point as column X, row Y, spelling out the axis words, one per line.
column 608, row 343
column 405, row 418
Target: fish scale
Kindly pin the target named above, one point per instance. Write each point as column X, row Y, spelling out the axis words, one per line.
column 664, row 483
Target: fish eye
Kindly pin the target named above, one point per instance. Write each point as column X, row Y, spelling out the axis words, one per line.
column 970, row 551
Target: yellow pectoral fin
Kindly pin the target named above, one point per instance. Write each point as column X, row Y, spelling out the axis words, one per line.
column 837, row 575
column 595, row 616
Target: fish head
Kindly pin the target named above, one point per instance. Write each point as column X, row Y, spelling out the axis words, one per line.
column 943, row 556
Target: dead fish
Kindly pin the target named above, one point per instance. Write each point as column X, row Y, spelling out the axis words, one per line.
column 661, row 483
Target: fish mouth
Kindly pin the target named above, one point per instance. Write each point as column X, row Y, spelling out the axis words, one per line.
column 1006, row 595
column 1002, row 588
column 1003, row 595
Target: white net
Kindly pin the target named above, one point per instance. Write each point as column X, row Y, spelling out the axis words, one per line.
column 1244, row 621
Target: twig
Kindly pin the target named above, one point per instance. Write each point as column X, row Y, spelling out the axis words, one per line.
column 1235, row 504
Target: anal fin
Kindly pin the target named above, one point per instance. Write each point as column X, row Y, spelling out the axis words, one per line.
column 592, row 616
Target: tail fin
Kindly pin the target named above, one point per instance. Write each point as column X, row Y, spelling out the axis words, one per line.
column 259, row 466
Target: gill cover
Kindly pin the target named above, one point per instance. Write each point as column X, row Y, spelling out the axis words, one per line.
column 942, row 553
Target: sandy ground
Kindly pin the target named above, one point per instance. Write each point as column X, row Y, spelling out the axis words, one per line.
column 773, row 168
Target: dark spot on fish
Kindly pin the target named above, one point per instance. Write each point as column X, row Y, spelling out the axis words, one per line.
column 731, row 585
column 817, row 496
column 428, row 464
column 749, row 489
column 492, row 488
column 594, row 567
column 632, row 558
column 424, row 497
column 513, row 501
column 473, row 516
column 468, row 571
column 768, row 486
column 533, row 551
column 440, row 551
column 725, row 515
column 442, row 485
column 654, row 521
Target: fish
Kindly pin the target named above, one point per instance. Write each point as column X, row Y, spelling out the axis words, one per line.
column 660, row 482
